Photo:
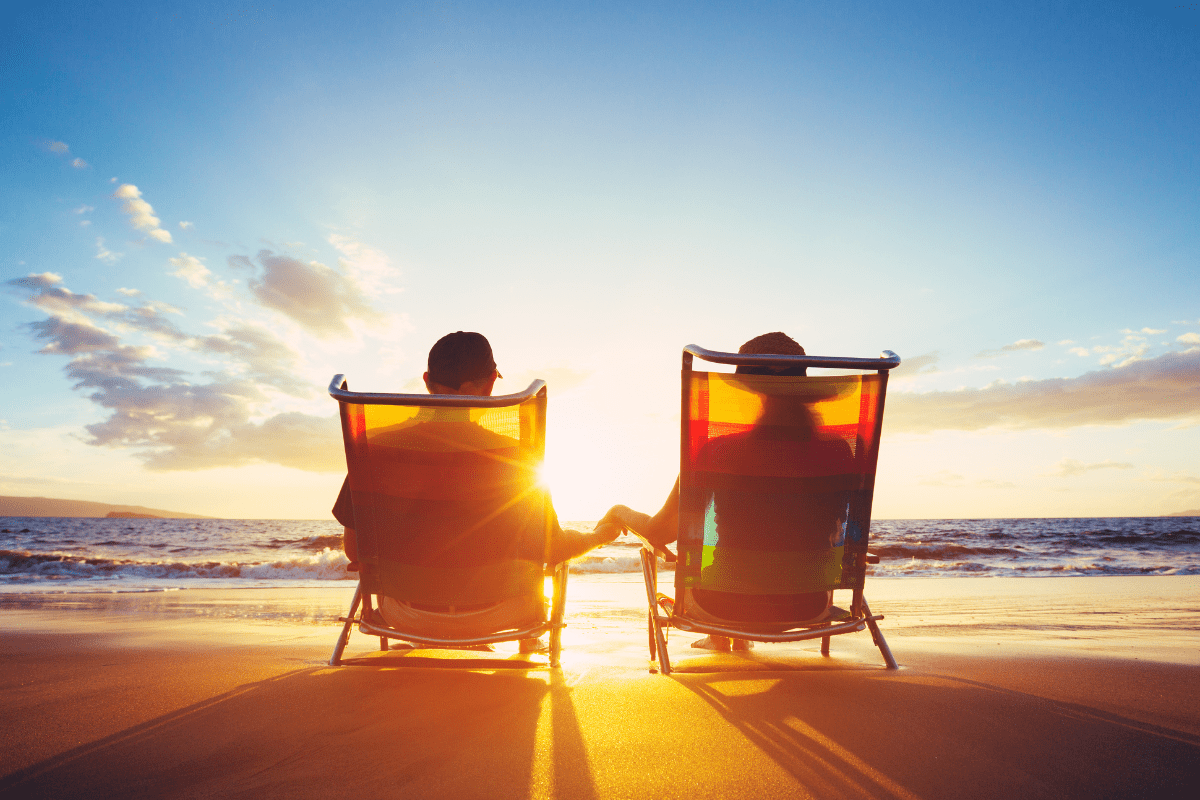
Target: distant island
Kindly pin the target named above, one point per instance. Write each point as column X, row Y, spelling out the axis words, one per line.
column 55, row 507
column 1195, row 512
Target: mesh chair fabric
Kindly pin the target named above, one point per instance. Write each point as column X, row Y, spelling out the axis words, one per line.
column 447, row 506
column 775, row 488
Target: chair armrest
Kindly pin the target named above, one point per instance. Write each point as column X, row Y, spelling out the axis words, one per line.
column 872, row 558
column 666, row 554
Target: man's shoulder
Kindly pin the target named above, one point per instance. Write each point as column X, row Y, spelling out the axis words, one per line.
column 442, row 435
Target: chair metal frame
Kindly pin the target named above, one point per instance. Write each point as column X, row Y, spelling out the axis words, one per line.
column 362, row 617
column 662, row 616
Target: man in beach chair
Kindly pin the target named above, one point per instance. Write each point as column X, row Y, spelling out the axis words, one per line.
column 772, row 506
column 445, row 519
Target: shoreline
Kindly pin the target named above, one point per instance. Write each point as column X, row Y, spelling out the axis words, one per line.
column 1060, row 687
column 1155, row 617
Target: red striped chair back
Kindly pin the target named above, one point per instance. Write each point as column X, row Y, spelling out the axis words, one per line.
column 776, row 481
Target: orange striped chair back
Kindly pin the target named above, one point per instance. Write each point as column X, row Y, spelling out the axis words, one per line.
column 448, row 507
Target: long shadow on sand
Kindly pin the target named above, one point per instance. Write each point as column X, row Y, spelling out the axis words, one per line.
column 842, row 730
column 405, row 726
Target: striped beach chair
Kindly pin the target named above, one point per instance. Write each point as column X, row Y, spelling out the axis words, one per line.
column 775, row 485
column 452, row 523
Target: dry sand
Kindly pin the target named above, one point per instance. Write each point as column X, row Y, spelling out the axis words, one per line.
column 1058, row 687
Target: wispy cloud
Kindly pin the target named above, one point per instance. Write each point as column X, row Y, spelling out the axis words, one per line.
column 1174, row 477
column 912, row 366
column 369, row 267
column 1166, row 387
column 1132, row 348
column 187, row 226
column 321, row 300
column 104, row 254
column 560, row 379
column 1191, row 337
column 85, row 209
column 192, row 270
column 942, row 478
column 173, row 419
column 61, row 149
column 47, row 293
column 1069, row 467
column 950, row 480
column 141, row 214
column 1020, row 344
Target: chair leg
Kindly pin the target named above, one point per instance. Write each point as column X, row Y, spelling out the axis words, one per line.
column 825, row 645
column 650, row 632
column 664, row 660
column 557, row 613
column 555, row 647
column 657, row 641
column 651, row 594
column 383, row 644
column 344, row 637
column 880, row 642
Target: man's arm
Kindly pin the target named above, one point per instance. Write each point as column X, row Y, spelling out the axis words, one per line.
column 343, row 512
column 568, row 544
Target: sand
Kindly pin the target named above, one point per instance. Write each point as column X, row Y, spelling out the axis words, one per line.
column 1058, row 687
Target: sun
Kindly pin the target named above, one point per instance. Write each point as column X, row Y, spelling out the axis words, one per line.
column 579, row 486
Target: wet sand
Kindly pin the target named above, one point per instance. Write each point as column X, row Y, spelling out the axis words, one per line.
column 1058, row 687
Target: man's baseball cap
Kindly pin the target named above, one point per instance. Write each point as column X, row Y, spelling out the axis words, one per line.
column 459, row 357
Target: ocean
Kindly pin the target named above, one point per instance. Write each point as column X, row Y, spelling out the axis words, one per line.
column 50, row 554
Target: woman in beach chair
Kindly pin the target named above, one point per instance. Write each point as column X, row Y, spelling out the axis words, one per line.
column 772, row 506
column 446, row 521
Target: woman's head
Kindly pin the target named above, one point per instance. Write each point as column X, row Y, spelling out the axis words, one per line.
column 775, row 343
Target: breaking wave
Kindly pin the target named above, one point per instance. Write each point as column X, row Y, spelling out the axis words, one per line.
column 136, row 555
column 19, row 566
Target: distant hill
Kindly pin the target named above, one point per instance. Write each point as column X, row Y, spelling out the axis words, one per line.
column 1195, row 512
column 54, row 507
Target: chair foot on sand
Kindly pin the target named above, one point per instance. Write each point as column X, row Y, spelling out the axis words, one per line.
column 880, row 642
column 340, row 646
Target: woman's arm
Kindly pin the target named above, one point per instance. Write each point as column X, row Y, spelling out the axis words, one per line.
column 661, row 529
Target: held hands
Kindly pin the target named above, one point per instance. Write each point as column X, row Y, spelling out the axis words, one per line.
column 659, row 531
column 613, row 517
column 606, row 532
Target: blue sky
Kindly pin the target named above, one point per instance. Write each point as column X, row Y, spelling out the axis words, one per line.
column 222, row 206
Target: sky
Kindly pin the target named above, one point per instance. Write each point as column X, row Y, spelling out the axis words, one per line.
column 209, row 209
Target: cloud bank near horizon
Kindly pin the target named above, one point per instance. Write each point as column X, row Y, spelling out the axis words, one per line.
column 170, row 418
column 1163, row 388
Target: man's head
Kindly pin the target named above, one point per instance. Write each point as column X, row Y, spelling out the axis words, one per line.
column 461, row 363
column 773, row 344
